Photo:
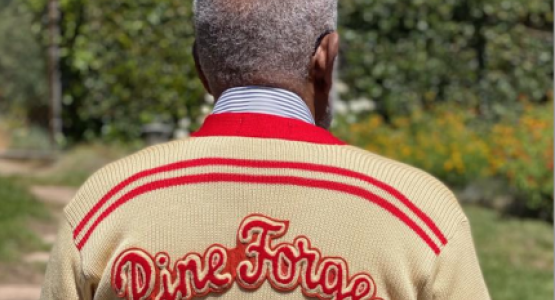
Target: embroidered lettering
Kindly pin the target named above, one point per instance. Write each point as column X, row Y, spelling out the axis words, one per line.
column 286, row 266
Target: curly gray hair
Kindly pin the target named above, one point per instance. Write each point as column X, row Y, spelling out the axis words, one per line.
column 240, row 41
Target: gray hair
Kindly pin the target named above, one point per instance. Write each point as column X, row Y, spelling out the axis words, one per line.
column 242, row 40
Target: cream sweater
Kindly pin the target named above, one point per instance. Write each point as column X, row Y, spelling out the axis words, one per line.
column 262, row 207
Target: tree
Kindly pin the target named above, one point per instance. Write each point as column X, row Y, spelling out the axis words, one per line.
column 126, row 63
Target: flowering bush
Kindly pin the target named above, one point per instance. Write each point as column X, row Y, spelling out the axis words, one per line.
column 452, row 143
column 523, row 153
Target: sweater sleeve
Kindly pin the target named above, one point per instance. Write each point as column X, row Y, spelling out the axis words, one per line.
column 457, row 274
column 64, row 278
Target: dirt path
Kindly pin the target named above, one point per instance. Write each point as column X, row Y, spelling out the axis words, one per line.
column 19, row 292
column 27, row 276
column 11, row 168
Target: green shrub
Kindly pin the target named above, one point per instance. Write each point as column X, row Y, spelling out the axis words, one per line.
column 485, row 54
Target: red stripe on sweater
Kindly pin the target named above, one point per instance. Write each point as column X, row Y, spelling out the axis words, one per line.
column 262, row 164
column 272, row 180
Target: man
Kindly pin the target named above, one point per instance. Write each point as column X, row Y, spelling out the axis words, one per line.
column 261, row 203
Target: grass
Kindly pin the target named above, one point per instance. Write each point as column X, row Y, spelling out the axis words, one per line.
column 516, row 255
column 17, row 208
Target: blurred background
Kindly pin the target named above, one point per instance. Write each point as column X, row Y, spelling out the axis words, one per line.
column 462, row 89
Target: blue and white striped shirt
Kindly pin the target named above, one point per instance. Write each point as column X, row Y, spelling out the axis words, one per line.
column 272, row 101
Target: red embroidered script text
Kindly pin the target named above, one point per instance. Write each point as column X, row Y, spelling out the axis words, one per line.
column 286, row 266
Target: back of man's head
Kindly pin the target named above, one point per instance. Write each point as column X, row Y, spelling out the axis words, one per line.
column 248, row 42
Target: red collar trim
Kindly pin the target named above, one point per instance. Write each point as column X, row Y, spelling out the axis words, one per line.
column 256, row 125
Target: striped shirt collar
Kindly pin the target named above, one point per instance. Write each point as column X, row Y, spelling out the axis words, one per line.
column 264, row 100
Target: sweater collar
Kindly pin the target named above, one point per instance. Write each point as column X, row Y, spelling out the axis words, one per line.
column 256, row 125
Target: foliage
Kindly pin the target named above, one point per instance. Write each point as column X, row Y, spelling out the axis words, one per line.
column 22, row 70
column 125, row 63
column 516, row 256
column 448, row 142
column 438, row 143
column 29, row 137
column 523, row 152
column 17, row 207
column 485, row 54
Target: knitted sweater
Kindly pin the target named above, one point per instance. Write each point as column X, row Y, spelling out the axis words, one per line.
column 256, row 206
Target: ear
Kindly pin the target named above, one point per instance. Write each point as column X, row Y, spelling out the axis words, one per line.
column 321, row 77
column 324, row 58
column 198, row 67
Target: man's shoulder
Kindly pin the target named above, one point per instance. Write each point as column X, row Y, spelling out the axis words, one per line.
column 418, row 192
column 394, row 170
column 110, row 180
